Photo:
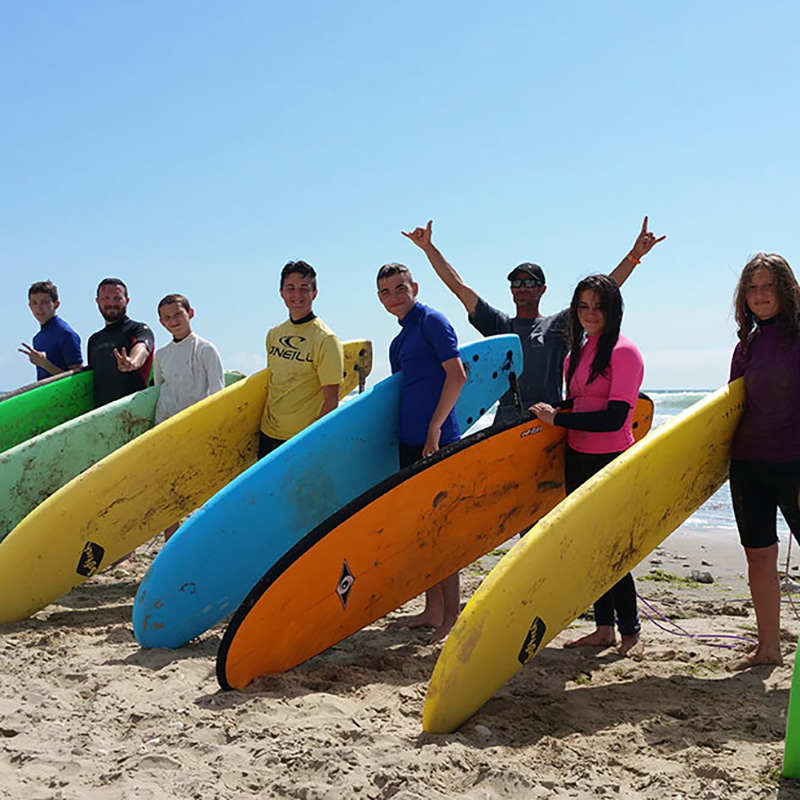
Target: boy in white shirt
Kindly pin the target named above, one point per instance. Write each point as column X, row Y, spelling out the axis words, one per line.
column 189, row 368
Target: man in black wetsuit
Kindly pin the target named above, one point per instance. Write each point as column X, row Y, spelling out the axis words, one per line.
column 121, row 354
column 544, row 344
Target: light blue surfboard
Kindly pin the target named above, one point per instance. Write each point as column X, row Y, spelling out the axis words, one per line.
column 208, row 567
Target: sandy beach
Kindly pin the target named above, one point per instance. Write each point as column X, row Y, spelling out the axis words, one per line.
column 85, row 713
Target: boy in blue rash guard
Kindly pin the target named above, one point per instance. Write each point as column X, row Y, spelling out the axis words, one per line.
column 426, row 351
column 56, row 348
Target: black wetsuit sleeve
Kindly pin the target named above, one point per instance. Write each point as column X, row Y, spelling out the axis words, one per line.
column 140, row 332
column 608, row 419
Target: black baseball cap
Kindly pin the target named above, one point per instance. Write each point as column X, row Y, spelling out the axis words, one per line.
column 534, row 270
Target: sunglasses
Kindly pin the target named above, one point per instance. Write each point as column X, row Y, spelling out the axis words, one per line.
column 528, row 283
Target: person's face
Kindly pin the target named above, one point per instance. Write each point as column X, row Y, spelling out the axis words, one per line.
column 397, row 294
column 298, row 294
column 591, row 317
column 525, row 295
column 42, row 306
column 176, row 319
column 761, row 294
column 112, row 302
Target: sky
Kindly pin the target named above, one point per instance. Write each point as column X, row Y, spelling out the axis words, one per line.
column 195, row 147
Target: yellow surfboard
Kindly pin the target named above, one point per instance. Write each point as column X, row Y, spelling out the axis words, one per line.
column 578, row 551
column 142, row 488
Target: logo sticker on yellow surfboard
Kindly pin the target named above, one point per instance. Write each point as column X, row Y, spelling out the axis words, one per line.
column 532, row 640
column 90, row 560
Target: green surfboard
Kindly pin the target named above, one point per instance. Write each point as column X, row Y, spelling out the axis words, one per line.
column 791, row 755
column 38, row 407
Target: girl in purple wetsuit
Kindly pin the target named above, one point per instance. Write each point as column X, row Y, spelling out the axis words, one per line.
column 604, row 372
column 765, row 461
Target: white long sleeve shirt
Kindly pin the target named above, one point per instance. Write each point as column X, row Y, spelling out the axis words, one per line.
column 187, row 372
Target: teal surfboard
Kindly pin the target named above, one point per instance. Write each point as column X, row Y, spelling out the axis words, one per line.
column 208, row 567
column 35, row 469
column 38, row 407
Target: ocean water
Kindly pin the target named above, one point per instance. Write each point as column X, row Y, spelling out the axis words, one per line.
column 717, row 511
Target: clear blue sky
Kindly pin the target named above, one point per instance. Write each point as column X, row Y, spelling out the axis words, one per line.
column 195, row 147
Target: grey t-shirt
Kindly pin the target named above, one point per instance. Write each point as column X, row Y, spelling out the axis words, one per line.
column 544, row 348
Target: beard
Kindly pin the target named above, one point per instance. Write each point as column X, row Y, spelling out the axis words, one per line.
column 112, row 314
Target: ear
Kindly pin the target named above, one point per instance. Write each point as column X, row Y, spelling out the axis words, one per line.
column 191, row 313
column 56, row 304
column 415, row 288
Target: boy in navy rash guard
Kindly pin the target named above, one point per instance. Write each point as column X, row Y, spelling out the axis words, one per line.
column 56, row 348
column 426, row 352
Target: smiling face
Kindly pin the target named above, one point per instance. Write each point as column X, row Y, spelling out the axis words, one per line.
column 590, row 313
column 298, row 293
column 176, row 319
column 42, row 306
column 112, row 300
column 397, row 294
column 761, row 294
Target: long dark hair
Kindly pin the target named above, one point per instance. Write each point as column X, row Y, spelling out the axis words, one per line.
column 788, row 298
column 611, row 303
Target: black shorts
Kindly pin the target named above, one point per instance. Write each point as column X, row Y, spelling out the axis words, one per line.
column 410, row 454
column 758, row 490
column 266, row 444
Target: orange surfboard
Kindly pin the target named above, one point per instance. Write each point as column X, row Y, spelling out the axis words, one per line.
column 403, row 536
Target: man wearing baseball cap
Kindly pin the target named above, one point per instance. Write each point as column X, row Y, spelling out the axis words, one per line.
column 544, row 344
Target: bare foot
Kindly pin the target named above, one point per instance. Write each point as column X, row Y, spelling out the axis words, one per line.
column 602, row 637
column 440, row 634
column 631, row 647
column 759, row 657
column 423, row 620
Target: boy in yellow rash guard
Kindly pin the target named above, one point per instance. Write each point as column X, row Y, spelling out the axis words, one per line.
column 305, row 363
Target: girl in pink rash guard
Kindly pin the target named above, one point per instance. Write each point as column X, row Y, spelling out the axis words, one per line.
column 765, row 460
column 604, row 372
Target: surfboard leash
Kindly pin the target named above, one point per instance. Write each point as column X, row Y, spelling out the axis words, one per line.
column 679, row 631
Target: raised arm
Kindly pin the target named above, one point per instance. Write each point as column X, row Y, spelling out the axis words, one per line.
column 451, row 279
column 644, row 243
